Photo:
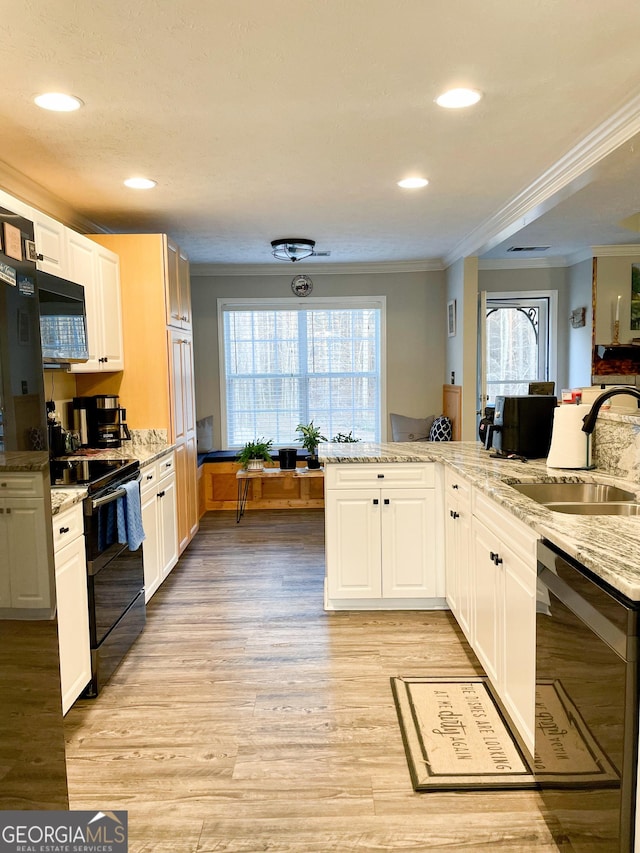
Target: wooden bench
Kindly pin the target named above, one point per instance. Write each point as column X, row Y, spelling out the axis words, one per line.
column 268, row 489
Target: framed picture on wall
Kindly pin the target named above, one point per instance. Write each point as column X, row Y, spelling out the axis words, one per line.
column 451, row 318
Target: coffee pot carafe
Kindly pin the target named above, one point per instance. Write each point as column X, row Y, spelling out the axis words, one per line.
column 107, row 427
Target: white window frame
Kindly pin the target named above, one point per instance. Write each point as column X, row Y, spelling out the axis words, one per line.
column 336, row 303
column 509, row 297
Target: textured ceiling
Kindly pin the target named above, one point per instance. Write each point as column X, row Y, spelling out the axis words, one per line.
column 268, row 119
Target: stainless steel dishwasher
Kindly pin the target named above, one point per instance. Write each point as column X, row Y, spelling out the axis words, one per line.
column 586, row 706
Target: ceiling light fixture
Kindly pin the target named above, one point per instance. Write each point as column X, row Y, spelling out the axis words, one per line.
column 58, row 102
column 456, row 99
column 292, row 248
column 413, row 183
column 140, row 183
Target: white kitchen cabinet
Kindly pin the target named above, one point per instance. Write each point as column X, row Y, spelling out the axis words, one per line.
column 183, row 431
column 383, row 540
column 51, row 246
column 159, row 519
column 73, row 608
column 504, row 612
column 97, row 269
column 458, row 574
column 26, row 579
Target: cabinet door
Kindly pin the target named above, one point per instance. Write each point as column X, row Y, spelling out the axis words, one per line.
column 178, row 422
column 465, row 590
column 352, row 525
column 408, row 543
column 27, row 537
column 487, row 624
column 184, row 290
column 519, row 652
column 73, row 621
column 168, row 513
column 151, row 542
column 108, row 277
column 452, row 557
column 82, row 268
column 5, row 565
column 172, row 286
column 50, row 240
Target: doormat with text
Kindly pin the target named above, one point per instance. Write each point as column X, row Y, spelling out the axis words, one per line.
column 457, row 738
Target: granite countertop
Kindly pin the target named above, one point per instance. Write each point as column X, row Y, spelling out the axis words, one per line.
column 64, row 497
column 607, row 545
column 24, row 460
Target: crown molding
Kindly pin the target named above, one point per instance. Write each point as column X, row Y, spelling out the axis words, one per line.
column 536, row 263
column 562, row 180
column 427, row 265
column 28, row 191
column 619, row 251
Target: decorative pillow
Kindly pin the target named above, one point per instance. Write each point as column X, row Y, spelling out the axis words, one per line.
column 410, row 429
column 440, row 429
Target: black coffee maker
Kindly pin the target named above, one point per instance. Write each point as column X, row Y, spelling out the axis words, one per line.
column 105, row 421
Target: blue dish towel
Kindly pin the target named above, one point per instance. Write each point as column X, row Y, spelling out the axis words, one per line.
column 129, row 513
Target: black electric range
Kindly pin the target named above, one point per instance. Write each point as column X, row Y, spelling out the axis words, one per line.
column 92, row 474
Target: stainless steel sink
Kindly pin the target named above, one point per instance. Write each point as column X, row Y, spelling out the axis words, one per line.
column 575, row 494
column 607, row 508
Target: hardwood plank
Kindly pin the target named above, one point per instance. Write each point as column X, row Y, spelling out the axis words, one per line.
column 246, row 718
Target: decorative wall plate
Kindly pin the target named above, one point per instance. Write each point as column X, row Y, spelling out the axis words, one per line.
column 301, row 285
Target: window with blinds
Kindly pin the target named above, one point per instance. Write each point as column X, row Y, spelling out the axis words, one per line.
column 283, row 364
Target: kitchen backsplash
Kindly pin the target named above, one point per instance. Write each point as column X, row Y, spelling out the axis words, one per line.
column 616, row 445
column 148, row 436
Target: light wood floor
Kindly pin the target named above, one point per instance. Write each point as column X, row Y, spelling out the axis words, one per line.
column 247, row 719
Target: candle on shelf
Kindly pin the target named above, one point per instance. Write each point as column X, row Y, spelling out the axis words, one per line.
column 618, row 308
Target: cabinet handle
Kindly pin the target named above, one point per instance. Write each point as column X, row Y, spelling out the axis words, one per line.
column 376, row 501
column 167, row 464
column 454, row 486
column 64, row 530
column 9, row 510
column 381, row 476
column 3, row 485
column 495, row 558
column 149, row 476
column 387, row 501
column 454, row 514
column 161, row 494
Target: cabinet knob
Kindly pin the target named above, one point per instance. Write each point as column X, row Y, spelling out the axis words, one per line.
column 454, row 514
column 495, row 558
column 64, row 530
column 161, row 494
column 376, row 501
column 149, row 476
column 3, row 485
column 387, row 501
column 454, row 486
column 381, row 476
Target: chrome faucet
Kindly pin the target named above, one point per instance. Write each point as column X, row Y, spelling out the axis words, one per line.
column 589, row 420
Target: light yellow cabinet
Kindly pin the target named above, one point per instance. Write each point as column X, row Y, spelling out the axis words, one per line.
column 178, row 288
column 73, row 608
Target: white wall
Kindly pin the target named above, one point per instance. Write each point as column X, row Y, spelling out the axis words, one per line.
column 461, row 366
column 579, row 349
column 416, row 331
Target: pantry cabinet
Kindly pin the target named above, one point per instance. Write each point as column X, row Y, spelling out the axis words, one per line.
column 157, row 387
column 159, row 520
column 73, row 608
column 26, row 580
column 457, row 524
column 383, row 537
column 98, row 270
column 504, row 608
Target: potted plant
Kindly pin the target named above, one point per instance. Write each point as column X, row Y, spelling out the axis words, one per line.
column 254, row 454
column 310, row 436
column 345, row 438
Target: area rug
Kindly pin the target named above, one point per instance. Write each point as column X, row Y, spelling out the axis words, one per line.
column 456, row 737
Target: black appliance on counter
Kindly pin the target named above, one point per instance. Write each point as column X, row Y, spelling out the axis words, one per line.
column 587, row 691
column 115, row 575
column 522, row 425
column 100, row 421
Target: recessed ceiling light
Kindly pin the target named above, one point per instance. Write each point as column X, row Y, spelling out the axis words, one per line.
column 58, row 102
column 455, row 99
column 412, row 183
column 140, row 183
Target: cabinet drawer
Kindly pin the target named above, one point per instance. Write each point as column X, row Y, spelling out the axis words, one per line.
column 67, row 526
column 166, row 465
column 148, row 478
column 514, row 533
column 14, row 485
column 390, row 475
column 457, row 485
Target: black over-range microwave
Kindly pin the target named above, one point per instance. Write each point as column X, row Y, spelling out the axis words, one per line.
column 63, row 321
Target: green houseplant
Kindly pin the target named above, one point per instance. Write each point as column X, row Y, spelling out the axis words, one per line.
column 310, row 436
column 255, row 453
column 345, row 438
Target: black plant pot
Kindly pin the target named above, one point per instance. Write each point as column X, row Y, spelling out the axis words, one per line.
column 313, row 462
